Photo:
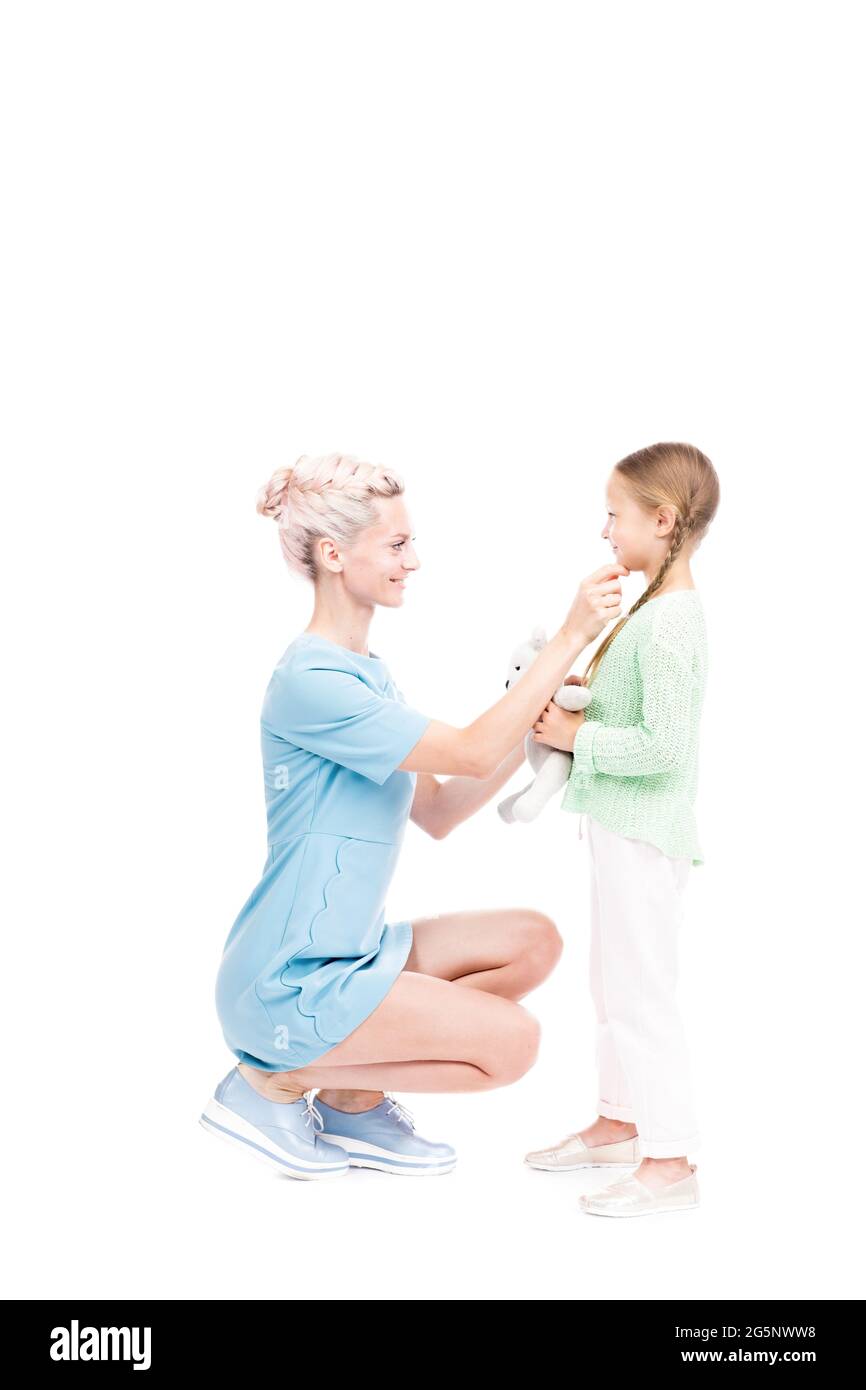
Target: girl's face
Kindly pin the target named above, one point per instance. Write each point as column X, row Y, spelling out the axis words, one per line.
column 640, row 540
column 376, row 567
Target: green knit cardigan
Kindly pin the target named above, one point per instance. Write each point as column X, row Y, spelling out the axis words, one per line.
column 635, row 766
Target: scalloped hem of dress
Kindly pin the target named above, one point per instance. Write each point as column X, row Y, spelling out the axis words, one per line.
column 402, row 936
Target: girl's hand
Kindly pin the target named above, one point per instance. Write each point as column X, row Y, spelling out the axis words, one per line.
column 558, row 727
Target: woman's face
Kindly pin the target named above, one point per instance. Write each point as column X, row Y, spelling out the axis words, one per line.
column 375, row 569
column 640, row 540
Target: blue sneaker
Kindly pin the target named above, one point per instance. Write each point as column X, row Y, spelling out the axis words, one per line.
column 280, row 1134
column 385, row 1138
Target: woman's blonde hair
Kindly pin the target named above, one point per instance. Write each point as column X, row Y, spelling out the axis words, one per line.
column 332, row 495
column 673, row 475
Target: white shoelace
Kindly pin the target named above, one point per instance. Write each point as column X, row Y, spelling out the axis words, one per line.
column 313, row 1113
column 402, row 1112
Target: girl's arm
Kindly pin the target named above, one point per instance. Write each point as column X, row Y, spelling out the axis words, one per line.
column 659, row 743
column 440, row 806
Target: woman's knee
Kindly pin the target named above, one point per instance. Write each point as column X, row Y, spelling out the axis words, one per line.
column 543, row 943
column 514, row 1048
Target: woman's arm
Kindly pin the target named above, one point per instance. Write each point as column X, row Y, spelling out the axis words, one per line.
column 440, row 806
column 477, row 750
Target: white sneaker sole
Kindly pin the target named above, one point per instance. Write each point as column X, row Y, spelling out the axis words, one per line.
column 412, row 1172
column 225, row 1124
column 365, row 1155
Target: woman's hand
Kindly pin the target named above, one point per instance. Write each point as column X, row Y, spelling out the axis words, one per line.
column 558, row 727
column 597, row 601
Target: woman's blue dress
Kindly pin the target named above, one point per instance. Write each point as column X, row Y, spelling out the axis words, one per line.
column 310, row 954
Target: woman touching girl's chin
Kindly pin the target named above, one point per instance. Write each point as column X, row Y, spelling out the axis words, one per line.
column 316, row 990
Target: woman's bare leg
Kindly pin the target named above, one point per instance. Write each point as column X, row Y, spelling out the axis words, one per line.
column 507, row 951
column 502, row 951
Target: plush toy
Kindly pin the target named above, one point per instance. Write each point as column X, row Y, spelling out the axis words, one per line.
column 551, row 766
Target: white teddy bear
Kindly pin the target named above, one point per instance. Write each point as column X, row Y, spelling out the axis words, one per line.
column 551, row 766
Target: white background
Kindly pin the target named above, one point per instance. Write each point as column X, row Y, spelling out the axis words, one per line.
column 496, row 247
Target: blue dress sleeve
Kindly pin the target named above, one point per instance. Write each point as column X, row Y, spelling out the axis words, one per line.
column 336, row 715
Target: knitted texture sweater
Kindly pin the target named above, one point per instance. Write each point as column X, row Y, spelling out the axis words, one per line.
column 635, row 767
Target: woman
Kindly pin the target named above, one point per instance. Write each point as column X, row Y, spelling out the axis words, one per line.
column 315, row 989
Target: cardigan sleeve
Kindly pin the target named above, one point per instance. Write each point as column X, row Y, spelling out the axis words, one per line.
column 660, row 742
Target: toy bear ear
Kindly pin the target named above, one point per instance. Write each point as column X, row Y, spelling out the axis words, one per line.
column 539, row 637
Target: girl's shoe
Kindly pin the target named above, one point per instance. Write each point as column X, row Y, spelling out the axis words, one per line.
column 385, row 1138
column 631, row 1197
column 574, row 1153
column 281, row 1135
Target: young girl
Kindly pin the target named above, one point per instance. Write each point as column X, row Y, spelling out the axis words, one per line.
column 633, row 782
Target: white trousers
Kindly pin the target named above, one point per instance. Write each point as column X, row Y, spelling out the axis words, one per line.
column 641, row 1053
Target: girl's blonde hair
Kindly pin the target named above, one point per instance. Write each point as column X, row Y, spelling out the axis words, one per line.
column 673, row 475
column 333, row 495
